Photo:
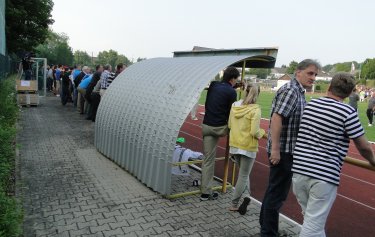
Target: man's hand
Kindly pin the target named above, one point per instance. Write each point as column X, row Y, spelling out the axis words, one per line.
column 274, row 158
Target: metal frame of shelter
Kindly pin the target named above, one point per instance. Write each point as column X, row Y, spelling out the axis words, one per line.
column 36, row 73
column 141, row 113
column 44, row 73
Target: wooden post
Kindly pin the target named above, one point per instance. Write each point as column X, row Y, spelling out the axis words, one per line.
column 226, row 167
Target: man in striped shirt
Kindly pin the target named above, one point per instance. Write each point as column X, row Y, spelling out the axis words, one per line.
column 326, row 128
column 286, row 113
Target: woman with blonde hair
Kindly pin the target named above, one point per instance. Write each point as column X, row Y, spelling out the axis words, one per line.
column 245, row 131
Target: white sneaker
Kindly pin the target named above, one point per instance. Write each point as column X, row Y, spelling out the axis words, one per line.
column 370, row 125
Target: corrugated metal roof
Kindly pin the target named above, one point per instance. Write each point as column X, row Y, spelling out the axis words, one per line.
column 140, row 116
column 257, row 57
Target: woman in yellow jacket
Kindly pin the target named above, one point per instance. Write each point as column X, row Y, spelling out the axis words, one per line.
column 244, row 124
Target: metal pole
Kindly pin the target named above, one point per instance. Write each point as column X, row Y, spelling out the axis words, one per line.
column 37, row 73
column 233, row 172
column 242, row 77
column 45, row 77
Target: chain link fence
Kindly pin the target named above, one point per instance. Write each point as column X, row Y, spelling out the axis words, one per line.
column 7, row 66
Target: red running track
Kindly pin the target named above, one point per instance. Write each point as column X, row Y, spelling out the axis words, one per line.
column 353, row 213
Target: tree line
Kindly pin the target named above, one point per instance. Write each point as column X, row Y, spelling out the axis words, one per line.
column 57, row 51
column 27, row 30
column 364, row 70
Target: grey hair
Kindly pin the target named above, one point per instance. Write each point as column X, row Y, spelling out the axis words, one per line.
column 107, row 67
column 307, row 63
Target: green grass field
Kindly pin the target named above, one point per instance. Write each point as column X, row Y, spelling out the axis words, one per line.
column 265, row 100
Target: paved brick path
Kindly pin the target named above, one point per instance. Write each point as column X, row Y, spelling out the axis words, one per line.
column 69, row 189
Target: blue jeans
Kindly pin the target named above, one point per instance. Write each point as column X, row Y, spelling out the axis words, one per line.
column 277, row 191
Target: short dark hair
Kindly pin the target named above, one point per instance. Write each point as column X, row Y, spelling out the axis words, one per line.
column 120, row 65
column 342, row 85
column 230, row 73
column 97, row 67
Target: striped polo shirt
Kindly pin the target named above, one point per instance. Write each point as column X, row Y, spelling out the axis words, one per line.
column 326, row 128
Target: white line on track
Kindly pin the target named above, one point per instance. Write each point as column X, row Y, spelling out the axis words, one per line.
column 359, row 203
column 348, row 176
column 262, row 147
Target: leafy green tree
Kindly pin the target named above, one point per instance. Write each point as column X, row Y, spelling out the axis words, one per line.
column 82, row 58
column 292, row 67
column 112, row 57
column 27, row 24
column 123, row 59
column 56, row 49
column 368, row 69
column 343, row 67
column 328, row 67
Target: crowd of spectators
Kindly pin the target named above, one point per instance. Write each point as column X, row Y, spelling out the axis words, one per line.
column 81, row 86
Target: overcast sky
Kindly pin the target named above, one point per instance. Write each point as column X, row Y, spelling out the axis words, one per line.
column 330, row 31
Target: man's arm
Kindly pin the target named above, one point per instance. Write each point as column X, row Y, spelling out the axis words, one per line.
column 276, row 126
column 365, row 149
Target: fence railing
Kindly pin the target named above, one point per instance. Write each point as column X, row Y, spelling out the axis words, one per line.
column 7, row 66
column 359, row 163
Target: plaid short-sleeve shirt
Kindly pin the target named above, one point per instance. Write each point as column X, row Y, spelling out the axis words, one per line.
column 289, row 102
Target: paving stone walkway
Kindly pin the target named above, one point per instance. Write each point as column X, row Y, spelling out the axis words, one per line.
column 69, row 189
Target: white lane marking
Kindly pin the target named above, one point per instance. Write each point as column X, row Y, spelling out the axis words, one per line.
column 262, row 147
column 360, row 203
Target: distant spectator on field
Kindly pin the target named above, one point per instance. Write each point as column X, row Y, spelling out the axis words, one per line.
column 353, row 100
column 327, row 125
column 370, row 109
column 362, row 95
column 193, row 111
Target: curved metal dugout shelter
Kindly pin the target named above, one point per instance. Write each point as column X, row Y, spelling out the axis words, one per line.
column 141, row 114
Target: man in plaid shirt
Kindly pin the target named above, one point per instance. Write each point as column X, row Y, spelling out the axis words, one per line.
column 106, row 79
column 286, row 113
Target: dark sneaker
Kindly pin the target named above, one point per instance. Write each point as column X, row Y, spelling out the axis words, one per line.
column 213, row 196
column 243, row 208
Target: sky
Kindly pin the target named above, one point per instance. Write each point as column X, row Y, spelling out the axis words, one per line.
column 329, row 31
